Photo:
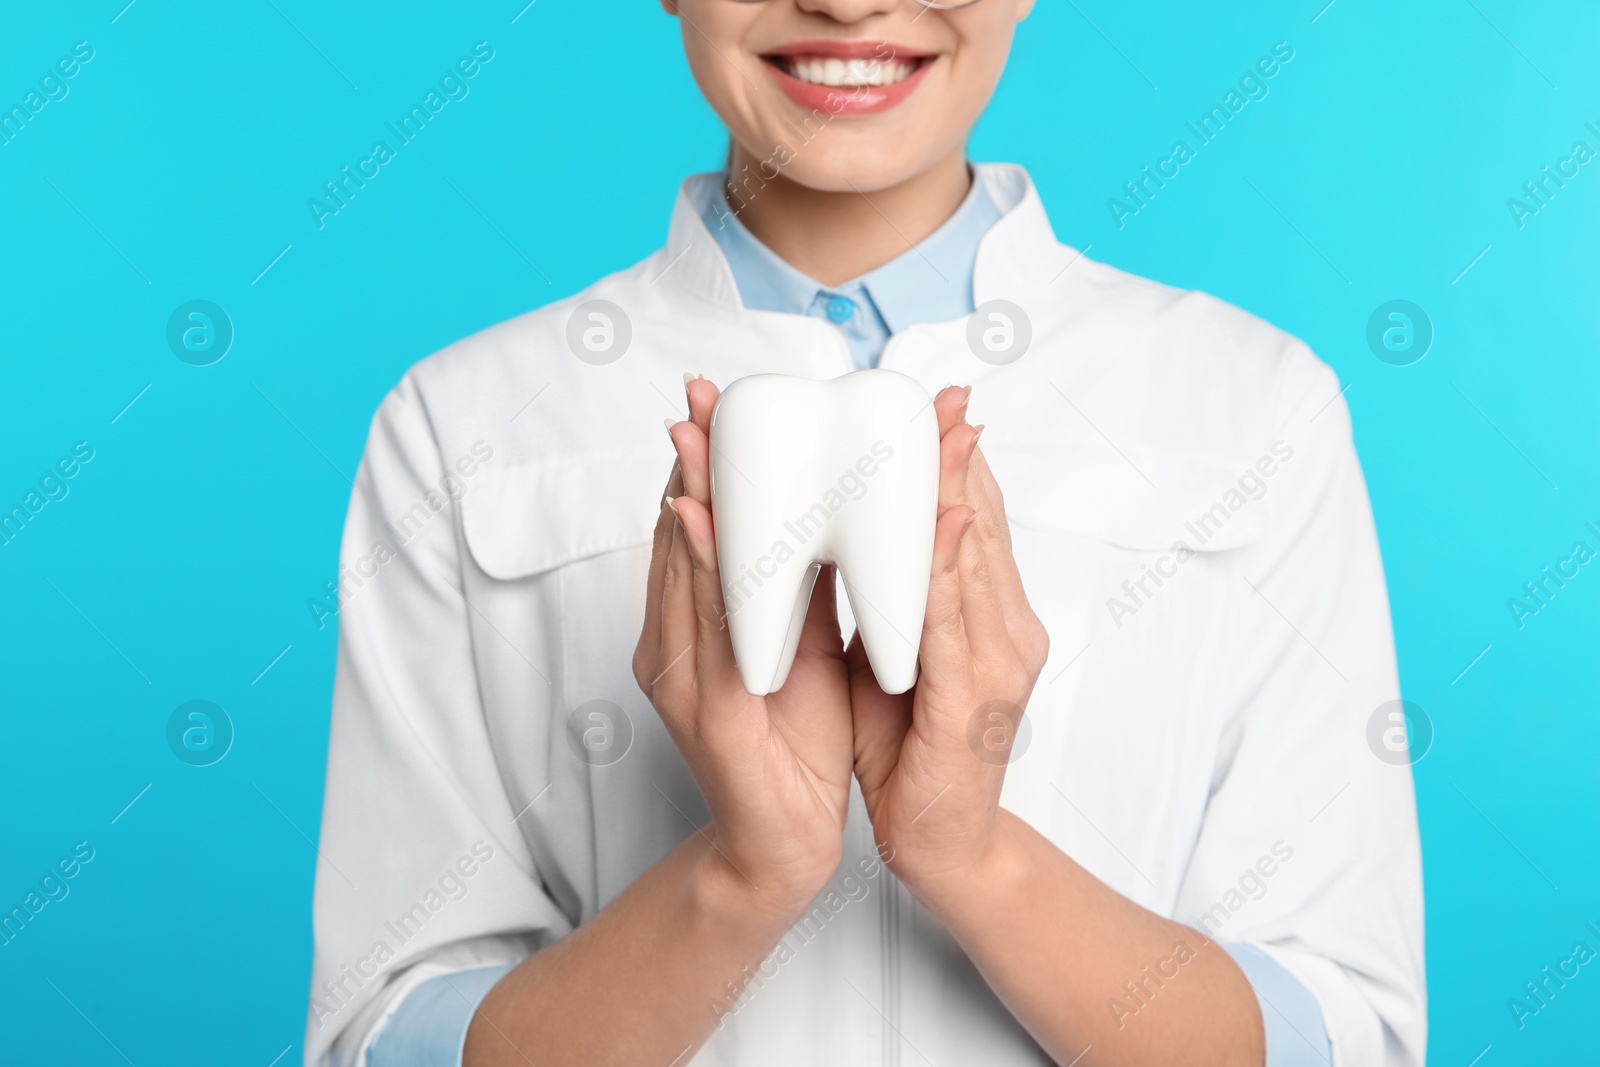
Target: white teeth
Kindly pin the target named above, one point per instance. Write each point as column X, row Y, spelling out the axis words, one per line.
column 848, row 74
column 843, row 471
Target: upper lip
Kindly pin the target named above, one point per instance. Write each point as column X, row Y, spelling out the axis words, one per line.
column 836, row 49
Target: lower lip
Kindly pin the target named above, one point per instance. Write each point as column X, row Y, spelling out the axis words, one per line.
column 854, row 100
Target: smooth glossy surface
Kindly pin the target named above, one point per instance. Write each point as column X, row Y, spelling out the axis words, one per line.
column 806, row 472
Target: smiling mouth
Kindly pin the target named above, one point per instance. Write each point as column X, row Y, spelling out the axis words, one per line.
column 833, row 72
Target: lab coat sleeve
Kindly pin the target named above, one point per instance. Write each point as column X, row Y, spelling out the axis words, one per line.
column 1308, row 848
column 420, row 870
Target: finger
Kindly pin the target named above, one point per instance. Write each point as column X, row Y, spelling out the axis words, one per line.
column 675, row 658
column 714, row 663
column 660, row 545
column 694, row 459
column 880, row 722
column 955, row 460
column 674, row 484
column 980, row 563
column 993, row 532
column 703, row 396
column 944, row 655
column 951, row 406
column 987, row 496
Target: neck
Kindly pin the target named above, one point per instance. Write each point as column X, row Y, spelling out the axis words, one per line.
column 837, row 236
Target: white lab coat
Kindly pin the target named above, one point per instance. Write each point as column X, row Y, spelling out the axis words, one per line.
column 1200, row 745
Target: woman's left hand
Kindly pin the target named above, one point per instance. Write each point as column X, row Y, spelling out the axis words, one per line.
column 931, row 762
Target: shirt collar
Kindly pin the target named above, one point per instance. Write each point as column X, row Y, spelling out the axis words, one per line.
column 1018, row 257
column 931, row 282
column 764, row 280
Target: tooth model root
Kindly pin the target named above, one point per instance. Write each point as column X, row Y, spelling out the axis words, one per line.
column 808, row 472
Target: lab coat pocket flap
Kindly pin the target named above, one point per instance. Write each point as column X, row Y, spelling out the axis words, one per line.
column 1135, row 496
column 535, row 516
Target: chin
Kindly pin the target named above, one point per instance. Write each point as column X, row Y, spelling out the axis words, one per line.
column 864, row 164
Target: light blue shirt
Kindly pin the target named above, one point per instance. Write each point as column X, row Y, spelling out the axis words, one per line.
column 930, row 282
column 429, row 1029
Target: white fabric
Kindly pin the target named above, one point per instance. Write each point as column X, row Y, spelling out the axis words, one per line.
column 1203, row 753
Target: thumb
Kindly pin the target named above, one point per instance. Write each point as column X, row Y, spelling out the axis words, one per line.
column 944, row 652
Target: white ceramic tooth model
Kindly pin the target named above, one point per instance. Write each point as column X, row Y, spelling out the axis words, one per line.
column 805, row 472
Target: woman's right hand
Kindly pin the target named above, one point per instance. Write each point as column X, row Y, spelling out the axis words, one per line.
column 775, row 771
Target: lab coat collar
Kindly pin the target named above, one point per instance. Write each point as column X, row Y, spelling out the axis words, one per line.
column 1018, row 257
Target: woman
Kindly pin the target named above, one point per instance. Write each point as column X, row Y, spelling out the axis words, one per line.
column 558, row 830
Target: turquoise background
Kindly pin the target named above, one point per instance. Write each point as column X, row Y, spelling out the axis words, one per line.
column 181, row 561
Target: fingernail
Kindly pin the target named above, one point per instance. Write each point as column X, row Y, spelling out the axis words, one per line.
column 689, row 376
column 669, row 424
column 967, row 391
column 977, row 433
